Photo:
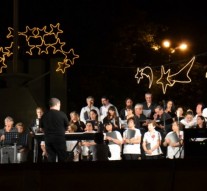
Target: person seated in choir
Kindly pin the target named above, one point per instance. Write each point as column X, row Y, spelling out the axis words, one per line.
column 72, row 145
column 199, row 108
column 188, row 121
column 151, row 142
column 75, row 119
column 87, row 145
column 113, row 118
column 101, row 151
column 23, row 144
column 93, row 117
column 114, row 141
column 44, row 151
column 131, row 141
column 174, row 142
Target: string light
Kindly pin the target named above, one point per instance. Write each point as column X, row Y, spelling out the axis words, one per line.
column 147, row 72
column 45, row 42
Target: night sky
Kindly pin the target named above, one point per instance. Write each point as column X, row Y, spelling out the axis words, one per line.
column 95, row 29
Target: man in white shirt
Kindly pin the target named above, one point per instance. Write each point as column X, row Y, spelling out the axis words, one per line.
column 84, row 114
column 105, row 106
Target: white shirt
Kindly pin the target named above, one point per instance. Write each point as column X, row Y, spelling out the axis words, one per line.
column 153, row 141
column 132, row 148
column 86, row 110
column 104, row 110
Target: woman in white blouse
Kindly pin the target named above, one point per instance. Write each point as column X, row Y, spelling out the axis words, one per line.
column 151, row 142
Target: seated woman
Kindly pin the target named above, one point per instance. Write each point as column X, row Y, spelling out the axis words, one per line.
column 174, row 142
column 114, row 139
column 75, row 119
column 131, row 141
column 188, row 121
column 151, row 142
column 23, row 146
column 93, row 117
column 72, row 145
column 87, row 145
column 201, row 124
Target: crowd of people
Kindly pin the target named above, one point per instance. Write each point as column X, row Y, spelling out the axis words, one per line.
column 138, row 131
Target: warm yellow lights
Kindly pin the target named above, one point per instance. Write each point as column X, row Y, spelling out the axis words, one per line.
column 183, row 46
column 41, row 41
column 145, row 72
column 166, row 44
column 168, row 79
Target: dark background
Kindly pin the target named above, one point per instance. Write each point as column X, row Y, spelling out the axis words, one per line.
column 110, row 37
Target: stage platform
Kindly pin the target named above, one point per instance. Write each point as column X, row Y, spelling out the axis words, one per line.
column 162, row 175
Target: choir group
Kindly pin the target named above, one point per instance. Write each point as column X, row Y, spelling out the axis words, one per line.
column 136, row 132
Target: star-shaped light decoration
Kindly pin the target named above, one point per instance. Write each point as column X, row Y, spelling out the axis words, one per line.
column 2, row 65
column 34, row 42
column 42, row 40
column 42, row 31
column 11, row 33
column 164, row 79
column 71, row 55
column 29, row 32
column 145, row 72
column 9, row 49
column 168, row 79
column 58, row 46
column 62, row 66
column 55, row 29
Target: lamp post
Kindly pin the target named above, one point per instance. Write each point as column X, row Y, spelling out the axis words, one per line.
column 167, row 44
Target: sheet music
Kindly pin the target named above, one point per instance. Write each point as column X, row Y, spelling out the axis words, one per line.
column 147, row 112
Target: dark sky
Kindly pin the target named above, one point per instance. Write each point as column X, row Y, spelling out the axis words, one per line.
column 92, row 20
column 89, row 27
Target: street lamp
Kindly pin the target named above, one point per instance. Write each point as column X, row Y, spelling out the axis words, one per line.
column 167, row 44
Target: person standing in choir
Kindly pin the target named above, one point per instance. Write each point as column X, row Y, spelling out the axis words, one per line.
column 84, row 114
column 174, row 142
column 114, row 139
column 151, row 142
column 131, row 141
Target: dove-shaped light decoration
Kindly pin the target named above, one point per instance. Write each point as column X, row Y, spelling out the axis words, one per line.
column 168, row 79
column 145, row 72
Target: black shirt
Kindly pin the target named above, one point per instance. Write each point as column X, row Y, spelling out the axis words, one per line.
column 54, row 122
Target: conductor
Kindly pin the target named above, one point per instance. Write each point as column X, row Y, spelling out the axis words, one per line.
column 54, row 124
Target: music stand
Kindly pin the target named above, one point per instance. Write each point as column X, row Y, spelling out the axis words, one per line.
column 11, row 139
column 195, row 143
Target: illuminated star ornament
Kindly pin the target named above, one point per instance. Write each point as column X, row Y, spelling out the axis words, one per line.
column 62, row 66
column 145, row 72
column 41, row 41
column 182, row 76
